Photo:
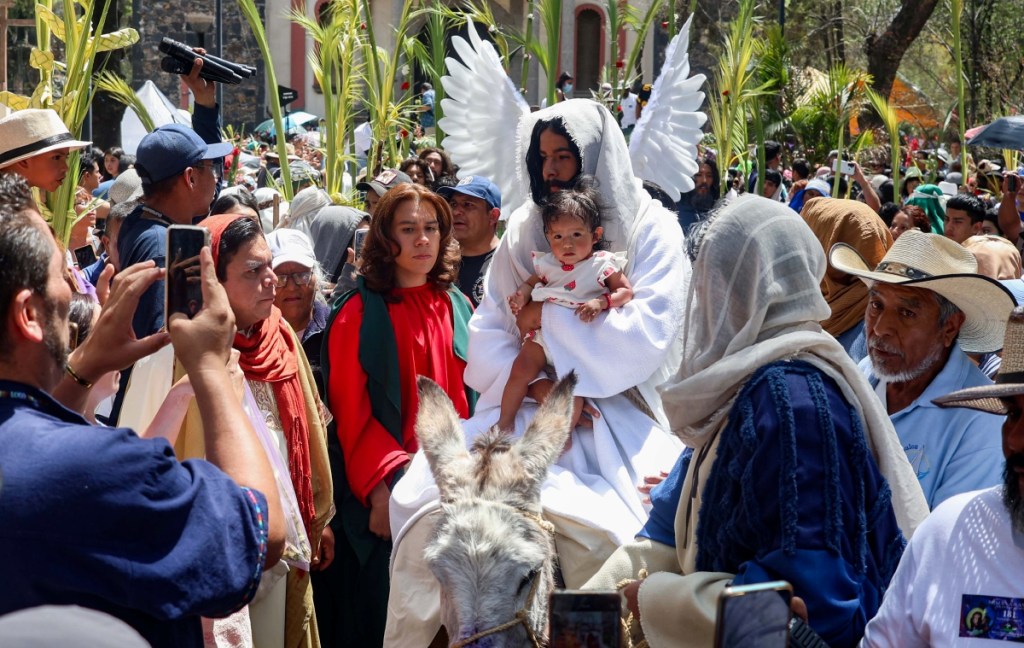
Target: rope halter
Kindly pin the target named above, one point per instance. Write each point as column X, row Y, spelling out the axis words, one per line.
column 522, row 615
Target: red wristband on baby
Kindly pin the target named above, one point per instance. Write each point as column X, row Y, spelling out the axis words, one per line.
column 608, row 301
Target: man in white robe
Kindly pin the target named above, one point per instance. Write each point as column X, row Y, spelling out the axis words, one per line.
column 591, row 494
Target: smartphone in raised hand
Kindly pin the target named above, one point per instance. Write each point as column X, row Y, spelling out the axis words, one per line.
column 183, row 286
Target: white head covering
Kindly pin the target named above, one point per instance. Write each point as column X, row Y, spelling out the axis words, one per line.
column 755, row 298
column 605, row 156
column 304, row 207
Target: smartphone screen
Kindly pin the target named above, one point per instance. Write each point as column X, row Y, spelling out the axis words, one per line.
column 754, row 616
column 183, row 286
column 590, row 618
column 85, row 256
column 357, row 242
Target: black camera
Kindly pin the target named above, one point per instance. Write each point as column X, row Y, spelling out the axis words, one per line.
column 180, row 59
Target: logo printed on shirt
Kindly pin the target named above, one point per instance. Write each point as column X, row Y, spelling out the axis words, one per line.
column 992, row 617
column 918, row 459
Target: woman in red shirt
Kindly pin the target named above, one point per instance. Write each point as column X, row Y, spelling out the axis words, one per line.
column 405, row 319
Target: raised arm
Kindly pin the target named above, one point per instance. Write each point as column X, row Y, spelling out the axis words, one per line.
column 112, row 345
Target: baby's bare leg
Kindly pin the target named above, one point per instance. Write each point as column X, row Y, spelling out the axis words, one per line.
column 527, row 365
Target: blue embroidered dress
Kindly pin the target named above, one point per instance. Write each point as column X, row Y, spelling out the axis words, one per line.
column 793, row 494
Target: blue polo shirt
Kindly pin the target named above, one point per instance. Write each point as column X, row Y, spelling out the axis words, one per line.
column 98, row 517
column 954, row 450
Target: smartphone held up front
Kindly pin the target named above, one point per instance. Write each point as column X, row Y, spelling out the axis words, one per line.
column 183, row 287
column 585, row 618
column 754, row 616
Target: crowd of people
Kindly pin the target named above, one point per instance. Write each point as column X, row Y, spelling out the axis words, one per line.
column 820, row 381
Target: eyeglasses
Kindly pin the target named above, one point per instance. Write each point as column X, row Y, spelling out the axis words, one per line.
column 213, row 166
column 299, row 278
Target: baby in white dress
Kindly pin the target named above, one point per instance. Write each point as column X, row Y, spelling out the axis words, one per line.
column 574, row 274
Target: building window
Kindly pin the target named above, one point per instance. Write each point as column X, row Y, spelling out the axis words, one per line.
column 589, row 50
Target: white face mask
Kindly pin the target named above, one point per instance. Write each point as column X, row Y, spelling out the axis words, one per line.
column 567, row 88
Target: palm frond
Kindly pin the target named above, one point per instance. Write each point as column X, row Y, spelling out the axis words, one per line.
column 119, row 89
column 891, row 120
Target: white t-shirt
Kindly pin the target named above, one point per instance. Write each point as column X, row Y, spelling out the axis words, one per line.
column 628, row 105
column 960, row 582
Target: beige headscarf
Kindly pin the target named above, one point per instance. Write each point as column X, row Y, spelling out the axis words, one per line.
column 754, row 298
column 834, row 221
column 997, row 257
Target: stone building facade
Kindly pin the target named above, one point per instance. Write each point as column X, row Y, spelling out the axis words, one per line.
column 584, row 52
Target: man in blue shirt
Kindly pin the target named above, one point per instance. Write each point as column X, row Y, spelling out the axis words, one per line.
column 96, row 516
column 427, row 117
column 927, row 306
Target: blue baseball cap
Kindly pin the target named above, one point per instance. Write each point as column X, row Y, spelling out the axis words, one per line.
column 171, row 149
column 478, row 187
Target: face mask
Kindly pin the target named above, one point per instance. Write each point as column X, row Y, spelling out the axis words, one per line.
column 567, row 88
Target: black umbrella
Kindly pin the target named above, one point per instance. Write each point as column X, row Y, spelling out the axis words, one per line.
column 1003, row 133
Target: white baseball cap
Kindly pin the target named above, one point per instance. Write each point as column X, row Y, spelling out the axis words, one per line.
column 291, row 245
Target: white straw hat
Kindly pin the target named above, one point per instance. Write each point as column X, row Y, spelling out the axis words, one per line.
column 32, row 132
column 939, row 264
column 1009, row 380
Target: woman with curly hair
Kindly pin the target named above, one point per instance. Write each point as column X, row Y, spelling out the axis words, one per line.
column 418, row 170
column 406, row 318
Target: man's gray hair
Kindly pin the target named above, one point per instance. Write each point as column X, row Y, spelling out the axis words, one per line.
column 947, row 308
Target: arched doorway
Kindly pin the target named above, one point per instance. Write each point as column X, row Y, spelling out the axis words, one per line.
column 589, row 50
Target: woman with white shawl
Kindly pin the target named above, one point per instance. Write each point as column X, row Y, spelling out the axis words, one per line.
column 801, row 472
column 591, row 493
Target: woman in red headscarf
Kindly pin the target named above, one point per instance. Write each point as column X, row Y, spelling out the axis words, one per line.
column 278, row 374
column 405, row 319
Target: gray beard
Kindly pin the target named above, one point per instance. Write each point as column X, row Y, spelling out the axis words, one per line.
column 907, row 374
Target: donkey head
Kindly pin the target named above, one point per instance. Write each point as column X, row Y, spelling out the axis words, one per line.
column 491, row 551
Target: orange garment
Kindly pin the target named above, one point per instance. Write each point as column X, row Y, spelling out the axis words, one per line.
column 834, row 220
column 422, row 323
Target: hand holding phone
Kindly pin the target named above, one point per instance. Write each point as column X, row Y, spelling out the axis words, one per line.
column 843, row 167
column 754, row 616
column 358, row 240
column 585, row 618
column 85, row 256
column 183, row 285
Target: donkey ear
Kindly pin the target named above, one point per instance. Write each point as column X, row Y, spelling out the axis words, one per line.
column 546, row 436
column 441, row 437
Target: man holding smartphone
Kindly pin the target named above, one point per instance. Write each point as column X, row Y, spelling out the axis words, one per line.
column 199, row 534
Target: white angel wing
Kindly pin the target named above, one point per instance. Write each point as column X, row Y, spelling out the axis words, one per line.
column 663, row 147
column 482, row 112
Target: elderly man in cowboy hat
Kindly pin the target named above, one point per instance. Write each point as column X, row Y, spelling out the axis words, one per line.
column 35, row 144
column 968, row 548
column 927, row 308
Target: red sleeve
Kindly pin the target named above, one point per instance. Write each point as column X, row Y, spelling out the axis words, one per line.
column 371, row 453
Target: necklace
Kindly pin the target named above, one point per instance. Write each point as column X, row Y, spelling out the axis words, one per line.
column 20, row 395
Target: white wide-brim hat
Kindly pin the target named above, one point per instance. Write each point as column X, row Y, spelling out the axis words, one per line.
column 31, row 132
column 939, row 264
column 1009, row 380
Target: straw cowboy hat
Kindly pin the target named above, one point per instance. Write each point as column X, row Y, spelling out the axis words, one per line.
column 1009, row 380
column 31, row 132
column 936, row 263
